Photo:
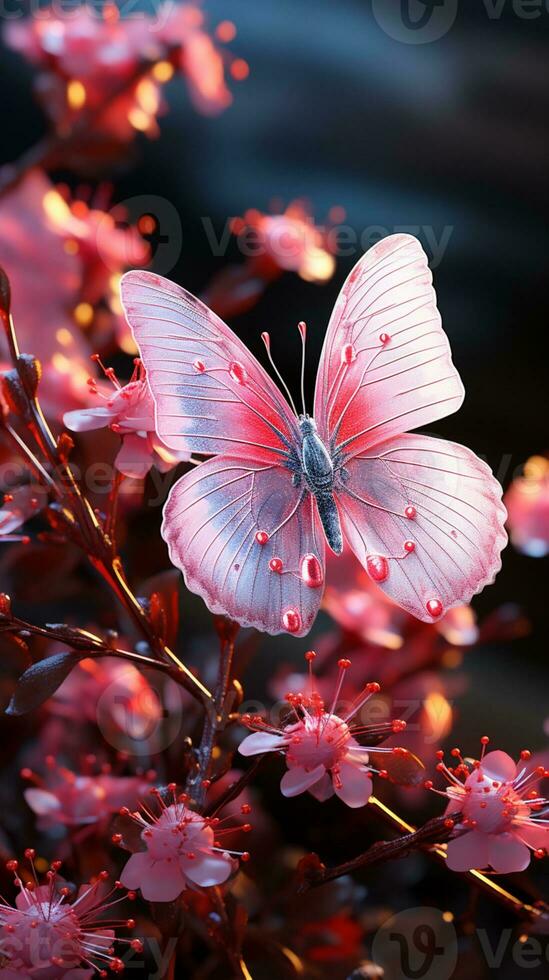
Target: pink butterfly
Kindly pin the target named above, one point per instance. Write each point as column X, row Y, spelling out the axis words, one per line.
column 248, row 526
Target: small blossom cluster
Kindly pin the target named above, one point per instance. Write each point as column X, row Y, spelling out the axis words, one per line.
column 57, row 932
column 113, row 68
column 322, row 752
column 183, row 849
column 129, row 412
column 498, row 813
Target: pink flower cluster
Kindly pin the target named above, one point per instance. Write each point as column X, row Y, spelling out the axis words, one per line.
column 113, row 68
column 49, row 936
column 182, row 850
column 286, row 241
column 129, row 412
column 501, row 818
column 322, row 753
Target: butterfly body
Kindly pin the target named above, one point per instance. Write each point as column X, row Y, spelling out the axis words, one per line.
column 249, row 525
column 319, row 474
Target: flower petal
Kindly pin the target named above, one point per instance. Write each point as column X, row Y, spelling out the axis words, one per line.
column 42, row 802
column 535, row 835
column 352, row 784
column 322, row 790
column 134, row 457
column 159, row 881
column 259, row 742
column 507, row 854
column 468, row 852
column 208, row 870
column 500, row 766
column 85, row 419
column 298, row 779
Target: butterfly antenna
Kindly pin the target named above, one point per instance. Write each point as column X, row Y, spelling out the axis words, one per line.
column 267, row 341
column 302, row 327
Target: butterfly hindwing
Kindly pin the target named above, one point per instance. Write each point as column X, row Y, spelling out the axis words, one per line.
column 240, row 531
column 448, row 548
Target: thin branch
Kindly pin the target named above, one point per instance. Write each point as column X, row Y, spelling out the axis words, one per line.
column 430, row 837
column 216, row 720
column 435, row 831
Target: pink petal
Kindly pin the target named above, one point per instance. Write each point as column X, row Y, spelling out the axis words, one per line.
column 83, row 420
column 507, row 854
column 353, row 785
column 209, row 870
column 260, row 742
column 298, row 779
column 89, row 896
column 536, row 836
column 42, row 802
column 159, row 881
column 134, row 457
column 322, row 790
column 468, row 852
column 40, row 894
column 499, row 766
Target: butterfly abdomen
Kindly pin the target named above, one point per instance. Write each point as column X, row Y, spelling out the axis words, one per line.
column 329, row 516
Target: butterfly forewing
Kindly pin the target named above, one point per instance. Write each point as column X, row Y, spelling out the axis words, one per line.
column 211, row 393
column 423, row 516
column 386, row 365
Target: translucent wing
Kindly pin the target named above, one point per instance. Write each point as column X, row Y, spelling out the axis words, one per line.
column 211, row 394
column 248, row 542
column 386, row 365
column 425, row 518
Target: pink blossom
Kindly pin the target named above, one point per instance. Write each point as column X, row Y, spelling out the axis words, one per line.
column 49, row 937
column 200, row 61
column 182, row 850
column 501, row 816
column 85, row 59
column 45, row 285
column 132, row 706
column 104, row 249
column 322, row 754
column 527, row 502
column 130, row 413
column 94, row 64
column 287, row 242
column 75, row 799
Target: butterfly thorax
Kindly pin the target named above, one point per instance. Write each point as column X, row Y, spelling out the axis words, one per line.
column 316, row 460
column 318, row 471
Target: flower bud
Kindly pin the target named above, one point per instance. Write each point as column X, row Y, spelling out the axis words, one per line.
column 30, row 372
column 14, row 394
